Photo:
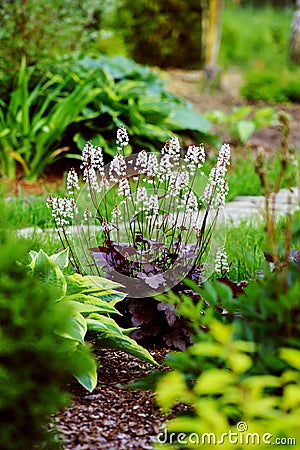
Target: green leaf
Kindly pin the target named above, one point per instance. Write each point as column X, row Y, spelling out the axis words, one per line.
column 184, row 118
column 44, row 268
column 61, row 258
column 291, row 356
column 245, row 129
column 75, row 329
column 86, row 370
column 89, row 303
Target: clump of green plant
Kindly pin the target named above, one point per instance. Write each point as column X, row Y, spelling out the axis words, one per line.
column 93, row 300
column 243, row 121
column 144, row 221
column 227, row 403
column 34, row 121
column 242, row 373
column 35, row 360
column 279, row 86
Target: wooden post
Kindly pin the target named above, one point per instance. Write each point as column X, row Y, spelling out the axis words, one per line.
column 213, row 37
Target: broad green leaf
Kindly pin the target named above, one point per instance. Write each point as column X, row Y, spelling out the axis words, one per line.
column 245, row 129
column 102, row 324
column 44, row 268
column 220, row 332
column 118, row 341
column 239, row 362
column 88, row 303
column 184, row 118
column 61, row 258
column 86, row 370
column 209, row 293
column 170, row 389
column 89, row 281
column 75, row 329
column 210, row 349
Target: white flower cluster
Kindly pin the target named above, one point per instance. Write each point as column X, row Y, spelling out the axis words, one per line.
column 217, row 188
column 122, row 137
column 195, row 157
column 124, row 188
column 63, row 209
column 117, row 168
column 92, row 157
column 221, row 263
column 72, row 181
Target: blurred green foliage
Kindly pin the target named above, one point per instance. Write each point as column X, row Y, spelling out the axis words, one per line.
column 34, row 360
column 162, row 33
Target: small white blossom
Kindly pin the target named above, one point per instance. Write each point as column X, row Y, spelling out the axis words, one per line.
column 172, row 149
column 152, row 165
column 142, row 161
column 122, row 137
column 92, row 157
column 191, row 202
column 221, row 263
column 152, row 205
column 195, row 157
column 72, row 181
column 116, row 212
column 87, row 213
column 90, row 177
column 117, row 168
column 63, row 209
column 141, row 194
column 124, row 188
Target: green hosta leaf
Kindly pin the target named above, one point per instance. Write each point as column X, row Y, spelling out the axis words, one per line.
column 110, row 335
column 102, row 324
column 108, row 296
column 89, row 303
column 184, row 118
column 86, row 368
column 78, row 282
column 75, row 329
column 48, row 271
column 61, row 258
column 245, row 129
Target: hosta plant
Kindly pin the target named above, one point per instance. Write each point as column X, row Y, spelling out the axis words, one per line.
column 93, row 300
column 145, row 221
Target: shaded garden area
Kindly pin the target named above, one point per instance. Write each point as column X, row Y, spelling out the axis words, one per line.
column 134, row 311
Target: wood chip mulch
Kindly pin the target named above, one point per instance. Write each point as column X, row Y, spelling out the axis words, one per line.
column 112, row 418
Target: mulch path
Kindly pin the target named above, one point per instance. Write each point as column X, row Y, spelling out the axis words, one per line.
column 112, row 418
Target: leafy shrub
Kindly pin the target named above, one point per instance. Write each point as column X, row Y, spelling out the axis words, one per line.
column 44, row 31
column 35, row 361
column 160, row 33
column 226, row 403
column 275, row 86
